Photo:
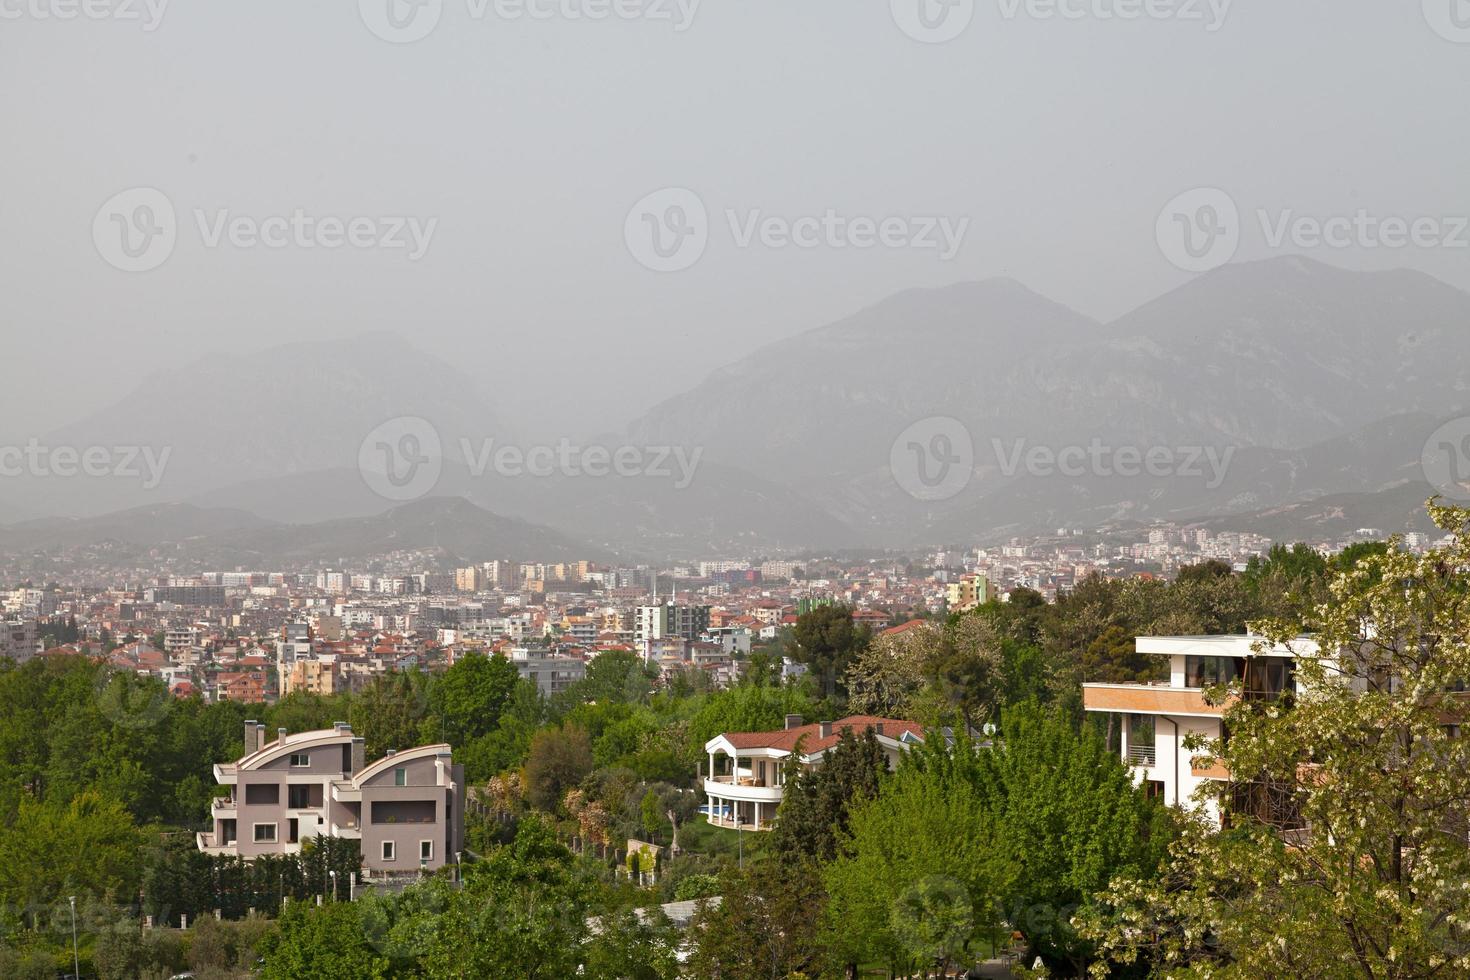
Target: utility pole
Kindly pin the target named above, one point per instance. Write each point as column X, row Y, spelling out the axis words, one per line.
column 76, row 963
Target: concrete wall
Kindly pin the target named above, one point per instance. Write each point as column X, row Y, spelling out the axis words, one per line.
column 422, row 777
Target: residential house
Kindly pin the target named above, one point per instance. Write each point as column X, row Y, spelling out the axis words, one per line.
column 746, row 778
column 406, row 808
column 1153, row 720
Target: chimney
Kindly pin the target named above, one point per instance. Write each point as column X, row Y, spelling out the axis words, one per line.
column 793, row 721
column 251, row 732
column 390, row 753
column 280, row 735
column 824, row 730
column 359, row 757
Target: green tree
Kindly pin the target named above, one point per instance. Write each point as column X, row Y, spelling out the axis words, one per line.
column 618, row 676
column 559, row 759
column 468, row 698
column 930, row 821
column 1070, row 820
column 826, row 640
column 651, row 814
column 326, row 942
column 765, row 926
column 814, row 811
column 389, row 713
column 634, row 945
column 87, row 844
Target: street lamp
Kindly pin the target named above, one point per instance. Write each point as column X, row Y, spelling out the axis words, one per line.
column 76, row 962
column 333, row 876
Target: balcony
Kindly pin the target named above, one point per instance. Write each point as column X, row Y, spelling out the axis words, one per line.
column 1143, row 755
column 209, row 847
column 1149, row 699
column 222, row 807
column 743, row 788
column 1216, row 771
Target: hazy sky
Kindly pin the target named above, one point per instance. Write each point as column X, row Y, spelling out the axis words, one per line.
column 1059, row 139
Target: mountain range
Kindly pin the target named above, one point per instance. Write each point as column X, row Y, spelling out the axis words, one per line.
column 1303, row 393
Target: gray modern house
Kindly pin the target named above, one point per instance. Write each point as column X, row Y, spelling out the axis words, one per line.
column 406, row 808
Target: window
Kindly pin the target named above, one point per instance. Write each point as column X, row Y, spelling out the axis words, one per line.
column 400, row 777
column 262, row 794
column 1270, row 677
column 300, row 760
column 426, row 850
column 1207, row 671
column 292, row 832
column 265, row 833
column 390, row 851
column 298, row 796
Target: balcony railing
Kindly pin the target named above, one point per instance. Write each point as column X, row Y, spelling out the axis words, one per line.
column 741, row 781
column 1143, row 755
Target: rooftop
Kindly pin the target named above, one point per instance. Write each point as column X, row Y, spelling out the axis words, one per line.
column 811, row 737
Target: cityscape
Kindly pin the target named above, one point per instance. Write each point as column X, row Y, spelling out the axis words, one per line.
column 667, row 490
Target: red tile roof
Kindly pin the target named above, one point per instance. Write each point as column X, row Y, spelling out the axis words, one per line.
column 903, row 627
column 785, row 740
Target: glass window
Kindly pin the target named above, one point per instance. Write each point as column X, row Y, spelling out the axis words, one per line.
column 426, row 850
column 400, row 777
column 1271, row 676
column 389, row 851
column 1207, row 671
column 300, row 760
column 298, row 796
column 265, row 833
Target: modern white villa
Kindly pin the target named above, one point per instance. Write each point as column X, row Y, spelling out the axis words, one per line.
column 1154, row 719
column 746, row 778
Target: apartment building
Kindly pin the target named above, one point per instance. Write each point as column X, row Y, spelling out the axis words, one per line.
column 406, row 808
column 746, row 778
column 19, row 640
column 468, row 579
column 668, row 620
column 1152, row 721
column 550, row 674
column 970, row 591
column 186, row 595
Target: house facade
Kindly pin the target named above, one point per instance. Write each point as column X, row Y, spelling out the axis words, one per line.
column 746, row 778
column 1152, row 721
column 406, row 808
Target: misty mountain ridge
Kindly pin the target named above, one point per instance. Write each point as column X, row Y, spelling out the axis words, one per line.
column 1314, row 380
column 454, row 528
